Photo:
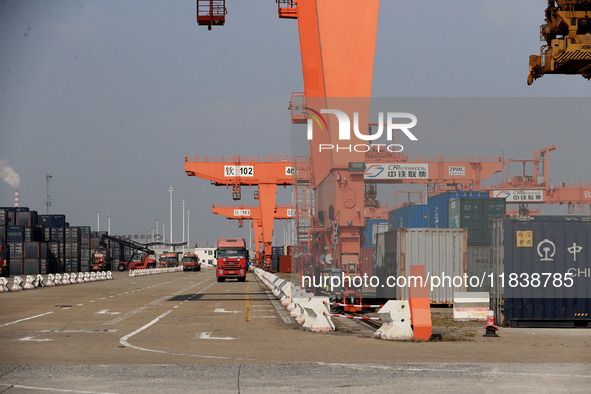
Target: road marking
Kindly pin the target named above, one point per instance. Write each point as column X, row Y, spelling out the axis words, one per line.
column 28, row 318
column 106, row 312
column 223, row 310
column 264, row 317
column 155, row 302
column 77, row 331
column 79, row 304
column 247, row 304
column 207, row 335
column 286, row 318
column 32, row 339
column 18, row 386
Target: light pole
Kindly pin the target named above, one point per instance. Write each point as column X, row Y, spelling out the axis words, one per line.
column 109, row 224
column 183, row 203
column 189, row 228
column 158, row 228
column 98, row 220
column 163, row 233
column 170, row 189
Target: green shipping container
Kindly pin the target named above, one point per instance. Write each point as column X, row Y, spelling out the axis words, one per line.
column 474, row 214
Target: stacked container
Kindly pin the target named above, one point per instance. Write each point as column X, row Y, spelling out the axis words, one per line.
column 408, row 216
column 437, row 206
column 557, row 251
column 72, row 249
column 373, row 227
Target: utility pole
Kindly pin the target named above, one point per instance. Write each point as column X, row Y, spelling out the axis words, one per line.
column 183, row 203
column 108, row 225
column 189, row 228
column 48, row 177
column 170, row 190
column 98, row 220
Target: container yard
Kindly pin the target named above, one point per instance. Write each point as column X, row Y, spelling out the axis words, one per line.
column 219, row 196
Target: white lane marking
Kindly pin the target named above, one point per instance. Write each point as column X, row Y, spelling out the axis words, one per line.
column 18, row 386
column 155, row 302
column 264, row 317
column 78, row 331
column 28, row 318
column 103, row 298
column 207, row 335
column 106, row 312
column 33, row 339
column 92, row 301
column 286, row 318
column 223, row 310
column 79, row 304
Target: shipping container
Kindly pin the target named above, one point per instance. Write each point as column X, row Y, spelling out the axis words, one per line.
column 366, row 261
column 57, row 234
column 26, row 219
column 474, row 214
column 43, row 267
column 32, row 250
column 16, row 266
column 3, row 221
column 479, row 266
column 85, row 231
column 385, row 263
column 31, row 266
column 437, row 206
column 15, row 234
column 443, row 253
column 58, row 221
column 15, row 249
column 73, row 234
column 373, row 227
column 542, row 271
column 34, row 234
column 3, row 234
column 285, row 264
column 410, row 216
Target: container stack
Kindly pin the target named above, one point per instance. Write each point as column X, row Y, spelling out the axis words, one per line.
column 72, row 249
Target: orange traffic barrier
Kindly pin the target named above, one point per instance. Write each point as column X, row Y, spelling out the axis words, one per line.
column 420, row 305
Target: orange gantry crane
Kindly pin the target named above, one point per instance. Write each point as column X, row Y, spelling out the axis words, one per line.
column 266, row 172
column 241, row 213
column 535, row 188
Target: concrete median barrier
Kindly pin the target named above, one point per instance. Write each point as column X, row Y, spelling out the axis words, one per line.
column 318, row 318
column 17, row 284
column 396, row 322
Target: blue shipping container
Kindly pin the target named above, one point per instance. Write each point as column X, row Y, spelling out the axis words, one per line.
column 411, row 216
column 437, row 207
column 542, row 271
column 369, row 233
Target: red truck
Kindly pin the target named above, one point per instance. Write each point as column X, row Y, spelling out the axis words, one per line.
column 232, row 259
column 191, row 262
column 168, row 260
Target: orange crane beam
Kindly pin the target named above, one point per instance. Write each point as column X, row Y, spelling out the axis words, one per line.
column 265, row 172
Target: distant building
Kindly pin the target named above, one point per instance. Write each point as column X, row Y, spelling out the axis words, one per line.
column 206, row 255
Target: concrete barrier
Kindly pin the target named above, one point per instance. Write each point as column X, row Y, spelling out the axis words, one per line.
column 109, row 275
column 50, row 281
column 318, row 318
column 87, row 277
column 29, row 285
column 396, row 322
column 93, row 276
column 17, row 284
column 66, row 279
column 471, row 306
column 58, row 279
column 80, row 277
column 73, row 278
column 39, row 281
column 3, row 285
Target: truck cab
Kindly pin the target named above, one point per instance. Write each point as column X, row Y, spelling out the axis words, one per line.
column 167, row 260
column 232, row 258
column 191, row 262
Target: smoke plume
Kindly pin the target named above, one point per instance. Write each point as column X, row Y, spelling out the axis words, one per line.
column 9, row 175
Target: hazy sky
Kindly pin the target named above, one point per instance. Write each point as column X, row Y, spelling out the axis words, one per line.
column 110, row 96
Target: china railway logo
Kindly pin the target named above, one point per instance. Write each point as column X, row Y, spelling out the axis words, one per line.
column 373, row 171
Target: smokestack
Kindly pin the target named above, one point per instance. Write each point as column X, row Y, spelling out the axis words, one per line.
column 16, row 198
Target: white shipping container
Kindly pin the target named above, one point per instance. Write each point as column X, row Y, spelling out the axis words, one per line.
column 443, row 252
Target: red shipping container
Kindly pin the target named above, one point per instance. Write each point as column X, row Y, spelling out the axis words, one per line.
column 285, row 264
column 366, row 261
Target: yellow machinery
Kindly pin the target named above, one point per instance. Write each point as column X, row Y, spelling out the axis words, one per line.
column 567, row 33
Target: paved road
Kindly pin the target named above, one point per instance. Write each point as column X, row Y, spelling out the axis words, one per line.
column 134, row 334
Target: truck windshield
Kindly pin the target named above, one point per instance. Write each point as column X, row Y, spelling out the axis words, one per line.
column 189, row 259
column 231, row 253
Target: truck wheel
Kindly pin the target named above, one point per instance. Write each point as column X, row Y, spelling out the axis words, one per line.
column 121, row 267
column 150, row 266
column 242, row 279
column 220, row 279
